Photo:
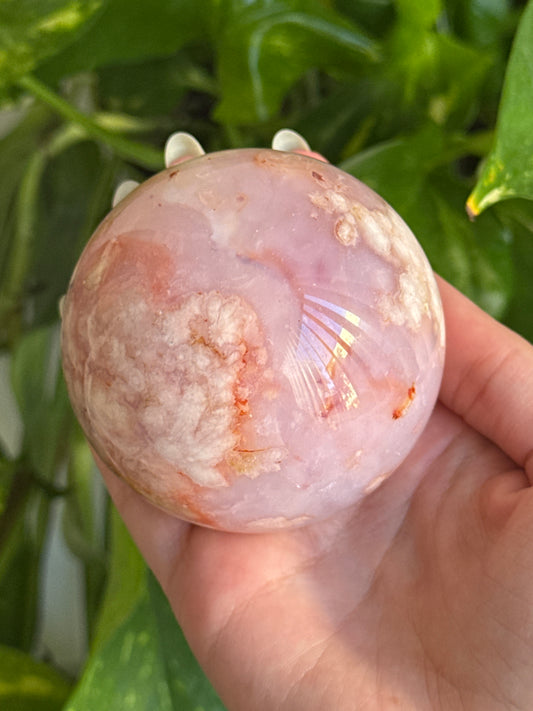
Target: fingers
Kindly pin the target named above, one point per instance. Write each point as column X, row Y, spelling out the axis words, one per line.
column 288, row 140
column 488, row 377
column 182, row 146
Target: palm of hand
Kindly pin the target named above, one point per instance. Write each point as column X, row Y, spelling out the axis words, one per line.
column 420, row 599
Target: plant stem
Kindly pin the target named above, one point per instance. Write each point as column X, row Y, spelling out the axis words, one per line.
column 16, row 500
column 138, row 153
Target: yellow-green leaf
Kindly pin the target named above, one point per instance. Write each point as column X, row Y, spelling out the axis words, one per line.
column 28, row 685
column 508, row 170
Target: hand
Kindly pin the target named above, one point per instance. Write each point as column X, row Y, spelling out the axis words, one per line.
column 422, row 598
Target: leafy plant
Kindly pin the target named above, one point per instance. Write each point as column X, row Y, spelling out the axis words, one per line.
column 430, row 103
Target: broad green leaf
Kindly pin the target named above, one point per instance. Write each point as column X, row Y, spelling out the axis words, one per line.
column 28, row 685
column 32, row 31
column 125, row 585
column 508, row 170
column 129, row 32
column 145, row 664
column 437, row 76
column 474, row 257
column 187, row 683
column 422, row 15
column 267, row 46
column 518, row 215
column 74, row 196
column 127, row 672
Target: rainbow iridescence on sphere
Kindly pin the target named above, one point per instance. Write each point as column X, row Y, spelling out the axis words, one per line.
column 253, row 339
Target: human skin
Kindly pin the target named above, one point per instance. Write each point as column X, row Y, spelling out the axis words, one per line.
column 420, row 598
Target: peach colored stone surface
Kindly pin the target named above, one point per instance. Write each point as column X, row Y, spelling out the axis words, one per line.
column 253, row 339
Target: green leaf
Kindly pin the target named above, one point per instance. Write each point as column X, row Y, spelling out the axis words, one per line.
column 28, row 685
column 267, row 46
column 129, row 32
column 412, row 158
column 126, row 673
column 508, row 170
column 476, row 258
column 145, row 664
column 125, row 585
column 436, row 76
column 422, row 15
column 74, row 196
column 518, row 216
column 189, row 688
column 32, row 31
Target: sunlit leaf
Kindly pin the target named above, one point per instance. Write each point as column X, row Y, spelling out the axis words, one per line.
column 422, row 15
column 28, row 685
column 126, row 582
column 132, row 31
column 145, row 664
column 508, row 171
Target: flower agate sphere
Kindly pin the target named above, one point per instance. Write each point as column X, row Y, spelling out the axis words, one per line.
column 253, row 339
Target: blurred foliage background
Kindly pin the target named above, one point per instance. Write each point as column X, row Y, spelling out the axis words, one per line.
column 430, row 103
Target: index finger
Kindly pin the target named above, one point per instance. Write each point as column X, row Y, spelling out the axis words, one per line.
column 488, row 376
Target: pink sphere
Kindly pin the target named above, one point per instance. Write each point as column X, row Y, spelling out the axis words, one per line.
column 253, row 340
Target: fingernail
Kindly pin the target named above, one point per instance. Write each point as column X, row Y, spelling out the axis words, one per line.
column 288, row 140
column 124, row 189
column 181, row 145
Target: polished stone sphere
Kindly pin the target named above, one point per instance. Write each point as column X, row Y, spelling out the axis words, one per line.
column 253, row 339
